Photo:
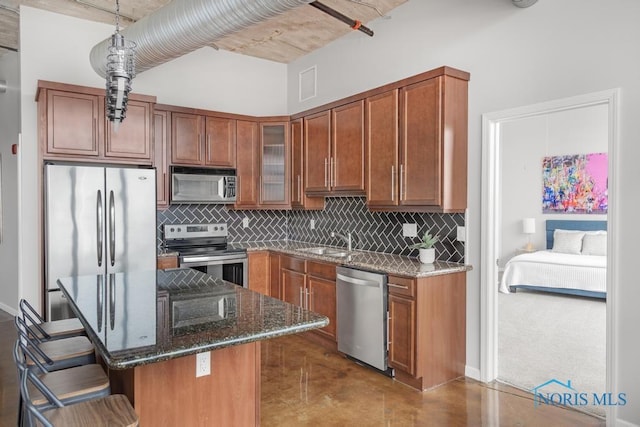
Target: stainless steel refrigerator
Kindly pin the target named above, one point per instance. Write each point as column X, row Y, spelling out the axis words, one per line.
column 98, row 220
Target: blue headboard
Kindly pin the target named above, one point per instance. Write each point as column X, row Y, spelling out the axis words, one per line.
column 553, row 224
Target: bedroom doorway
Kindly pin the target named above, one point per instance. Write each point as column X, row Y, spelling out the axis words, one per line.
column 494, row 125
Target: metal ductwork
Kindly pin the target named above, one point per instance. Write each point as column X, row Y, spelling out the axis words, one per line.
column 183, row 26
column 523, row 3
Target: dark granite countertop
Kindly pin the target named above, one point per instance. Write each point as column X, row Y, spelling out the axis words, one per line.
column 137, row 318
column 372, row 261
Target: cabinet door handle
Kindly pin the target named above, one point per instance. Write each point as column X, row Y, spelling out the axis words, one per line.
column 388, row 331
column 400, row 178
column 301, row 301
column 299, row 188
column 393, row 182
column 332, row 173
column 326, row 164
column 393, row 285
column 309, row 299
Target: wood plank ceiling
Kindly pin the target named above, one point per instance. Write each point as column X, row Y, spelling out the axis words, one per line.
column 282, row 39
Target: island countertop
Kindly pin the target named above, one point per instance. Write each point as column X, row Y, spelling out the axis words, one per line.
column 137, row 318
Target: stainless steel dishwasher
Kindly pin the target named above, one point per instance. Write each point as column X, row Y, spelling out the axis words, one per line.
column 361, row 300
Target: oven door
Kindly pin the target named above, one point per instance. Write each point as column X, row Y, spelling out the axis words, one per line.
column 229, row 267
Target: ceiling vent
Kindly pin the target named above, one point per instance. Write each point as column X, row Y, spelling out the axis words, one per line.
column 183, row 26
column 523, row 3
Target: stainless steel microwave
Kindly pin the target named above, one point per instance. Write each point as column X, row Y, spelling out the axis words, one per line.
column 202, row 185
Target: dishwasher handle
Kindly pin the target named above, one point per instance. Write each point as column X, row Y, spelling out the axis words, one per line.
column 359, row 282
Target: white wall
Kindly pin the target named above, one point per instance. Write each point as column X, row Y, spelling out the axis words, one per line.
column 516, row 57
column 523, row 144
column 56, row 47
column 10, row 128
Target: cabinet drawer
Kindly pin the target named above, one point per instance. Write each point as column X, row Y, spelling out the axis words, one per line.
column 321, row 269
column 402, row 286
column 293, row 264
column 167, row 261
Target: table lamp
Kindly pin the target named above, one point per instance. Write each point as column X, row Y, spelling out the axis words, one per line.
column 529, row 228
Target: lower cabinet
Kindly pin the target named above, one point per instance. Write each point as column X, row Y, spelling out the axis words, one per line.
column 427, row 329
column 259, row 272
column 311, row 285
column 321, row 285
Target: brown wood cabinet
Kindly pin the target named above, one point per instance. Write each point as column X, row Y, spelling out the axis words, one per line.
column 259, row 274
column 427, row 329
column 73, row 126
column 161, row 128
column 335, row 151
column 321, row 284
column 198, row 140
column 167, row 261
column 422, row 164
column 299, row 198
column 274, row 165
column 247, row 164
column 311, row 285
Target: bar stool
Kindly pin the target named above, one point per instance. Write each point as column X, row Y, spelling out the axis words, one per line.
column 57, row 354
column 112, row 410
column 51, row 330
column 70, row 386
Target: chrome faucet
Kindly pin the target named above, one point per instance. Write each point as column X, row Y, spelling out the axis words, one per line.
column 346, row 238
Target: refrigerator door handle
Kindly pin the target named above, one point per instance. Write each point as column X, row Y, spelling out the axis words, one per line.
column 112, row 301
column 100, row 301
column 99, row 227
column 112, row 229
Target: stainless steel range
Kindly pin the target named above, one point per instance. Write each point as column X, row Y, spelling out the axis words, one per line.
column 203, row 247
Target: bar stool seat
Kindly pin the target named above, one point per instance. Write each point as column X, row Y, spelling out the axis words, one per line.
column 58, row 329
column 56, row 354
column 112, row 411
column 66, row 353
column 72, row 385
column 52, row 330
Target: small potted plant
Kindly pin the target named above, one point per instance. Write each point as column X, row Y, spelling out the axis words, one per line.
column 427, row 251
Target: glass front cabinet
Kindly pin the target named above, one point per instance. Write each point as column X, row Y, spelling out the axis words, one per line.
column 274, row 156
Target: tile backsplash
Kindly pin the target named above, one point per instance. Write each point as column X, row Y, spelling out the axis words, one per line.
column 373, row 231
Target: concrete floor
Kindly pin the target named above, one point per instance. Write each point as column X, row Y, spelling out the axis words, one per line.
column 305, row 385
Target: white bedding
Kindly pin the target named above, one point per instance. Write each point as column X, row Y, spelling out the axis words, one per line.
column 556, row 270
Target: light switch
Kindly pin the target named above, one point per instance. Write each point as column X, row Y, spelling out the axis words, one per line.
column 245, row 222
column 312, row 224
column 409, row 230
column 461, row 234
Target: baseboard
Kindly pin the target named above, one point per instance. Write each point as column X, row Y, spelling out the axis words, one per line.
column 622, row 423
column 8, row 309
column 472, row 372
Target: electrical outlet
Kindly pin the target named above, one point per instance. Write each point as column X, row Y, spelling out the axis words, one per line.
column 409, row 230
column 245, row 222
column 312, row 224
column 461, row 234
column 203, row 364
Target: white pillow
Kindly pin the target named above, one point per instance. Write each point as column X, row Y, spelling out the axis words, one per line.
column 594, row 243
column 567, row 241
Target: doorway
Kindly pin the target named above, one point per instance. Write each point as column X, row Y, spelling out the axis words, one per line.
column 493, row 124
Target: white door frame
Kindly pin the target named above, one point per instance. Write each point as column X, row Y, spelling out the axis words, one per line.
column 490, row 231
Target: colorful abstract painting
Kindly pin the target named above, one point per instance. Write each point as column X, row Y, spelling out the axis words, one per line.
column 575, row 184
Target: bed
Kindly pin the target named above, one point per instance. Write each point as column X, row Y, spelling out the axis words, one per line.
column 576, row 265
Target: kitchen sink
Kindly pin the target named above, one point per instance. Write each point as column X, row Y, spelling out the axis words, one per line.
column 325, row 251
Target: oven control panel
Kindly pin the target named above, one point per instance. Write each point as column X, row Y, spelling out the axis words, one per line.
column 188, row 231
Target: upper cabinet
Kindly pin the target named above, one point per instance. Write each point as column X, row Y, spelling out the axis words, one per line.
column 199, row 140
column 248, row 164
column 420, row 163
column 299, row 199
column 262, row 165
column 274, row 170
column 73, row 126
column 335, row 150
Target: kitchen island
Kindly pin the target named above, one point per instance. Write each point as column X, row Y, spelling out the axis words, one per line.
column 148, row 328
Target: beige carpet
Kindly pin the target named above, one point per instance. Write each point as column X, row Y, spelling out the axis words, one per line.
column 546, row 336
